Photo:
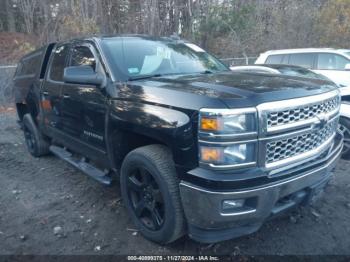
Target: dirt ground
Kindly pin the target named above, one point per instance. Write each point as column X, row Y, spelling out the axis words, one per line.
column 48, row 207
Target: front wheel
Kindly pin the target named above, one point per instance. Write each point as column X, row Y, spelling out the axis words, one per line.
column 150, row 191
column 344, row 127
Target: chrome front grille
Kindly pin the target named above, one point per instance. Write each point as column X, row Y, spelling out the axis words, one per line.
column 297, row 130
column 291, row 147
column 300, row 113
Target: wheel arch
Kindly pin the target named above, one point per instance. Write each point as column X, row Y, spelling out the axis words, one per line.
column 29, row 105
column 133, row 126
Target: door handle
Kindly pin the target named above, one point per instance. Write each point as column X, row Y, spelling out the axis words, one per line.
column 45, row 93
column 66, row 96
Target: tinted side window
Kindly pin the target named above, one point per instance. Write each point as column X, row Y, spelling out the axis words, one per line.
column 274, row 59
column 32, row 65
column 304, row 60
column 82, row 55
column 29, row 66
column 58, row 63
column 331, row 62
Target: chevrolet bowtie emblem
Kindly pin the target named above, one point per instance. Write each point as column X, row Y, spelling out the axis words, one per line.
column 323, row 120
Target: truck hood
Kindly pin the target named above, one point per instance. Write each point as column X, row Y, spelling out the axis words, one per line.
column 233, row 89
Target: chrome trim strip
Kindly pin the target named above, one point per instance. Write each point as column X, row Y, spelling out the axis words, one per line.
column 225, row 111
column 220, row 143
column 225, row 136
column 250, row 211
column 222, row 167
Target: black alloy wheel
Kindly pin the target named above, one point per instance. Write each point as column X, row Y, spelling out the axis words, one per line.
column 150, row 191
column 146, row 198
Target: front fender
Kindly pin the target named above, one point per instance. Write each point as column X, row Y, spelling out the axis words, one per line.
column 169, row 126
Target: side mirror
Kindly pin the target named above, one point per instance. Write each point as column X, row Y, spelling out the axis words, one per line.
column 82, row 75
column 347, row 67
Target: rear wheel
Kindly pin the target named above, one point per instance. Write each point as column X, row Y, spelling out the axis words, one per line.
column 150, row 190
column 36, row 143
column 344, row 127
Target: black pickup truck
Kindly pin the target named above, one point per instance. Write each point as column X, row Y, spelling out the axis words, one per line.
column 198, row 149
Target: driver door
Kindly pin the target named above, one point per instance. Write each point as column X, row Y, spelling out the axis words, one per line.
column 84, row 105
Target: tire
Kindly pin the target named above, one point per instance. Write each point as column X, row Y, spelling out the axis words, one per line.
column 344, row 127
column 36, row 143
column 150, row 191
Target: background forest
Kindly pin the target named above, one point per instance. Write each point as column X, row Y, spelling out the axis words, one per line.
column 227, row 28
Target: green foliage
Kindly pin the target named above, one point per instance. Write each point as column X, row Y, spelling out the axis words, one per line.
column 78, row 24
column 334, row 23
column 226, row 19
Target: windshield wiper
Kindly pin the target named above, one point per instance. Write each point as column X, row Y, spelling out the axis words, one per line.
column 207, row 72
column 143, row 77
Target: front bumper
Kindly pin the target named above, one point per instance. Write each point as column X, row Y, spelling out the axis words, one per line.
column 208, row 222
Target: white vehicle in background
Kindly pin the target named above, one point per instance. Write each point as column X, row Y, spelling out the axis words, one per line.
column 332, row 63
column 293, row 70
column 289, row 70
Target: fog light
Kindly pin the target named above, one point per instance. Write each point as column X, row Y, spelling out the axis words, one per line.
column 232, row 204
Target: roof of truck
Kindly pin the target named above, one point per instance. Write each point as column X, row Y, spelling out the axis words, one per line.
column 143, row 36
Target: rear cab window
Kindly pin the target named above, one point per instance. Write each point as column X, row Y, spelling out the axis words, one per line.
column 29, row 66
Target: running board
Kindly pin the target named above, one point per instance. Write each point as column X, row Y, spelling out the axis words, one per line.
column 82, row 165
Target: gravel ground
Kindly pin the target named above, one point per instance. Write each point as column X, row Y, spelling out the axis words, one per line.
column 48, row 207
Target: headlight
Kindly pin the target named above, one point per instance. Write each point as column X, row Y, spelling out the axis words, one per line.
column 232, row 155
column 227, row 121
column 219, row 133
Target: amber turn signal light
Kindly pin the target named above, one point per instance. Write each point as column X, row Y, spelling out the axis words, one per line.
column 211, row 154
column 210, row 124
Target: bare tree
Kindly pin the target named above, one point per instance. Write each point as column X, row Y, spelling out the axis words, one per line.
column 27, row 9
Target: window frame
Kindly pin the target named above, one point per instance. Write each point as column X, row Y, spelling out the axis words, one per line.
column 83, row 44
column 48, row 78
column 330, row 53
column 100, row 65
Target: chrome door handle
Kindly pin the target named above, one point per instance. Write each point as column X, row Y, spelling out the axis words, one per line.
column 45, row 93
column 66, row 96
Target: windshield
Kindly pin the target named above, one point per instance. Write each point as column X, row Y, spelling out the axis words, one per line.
column 135, row 57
